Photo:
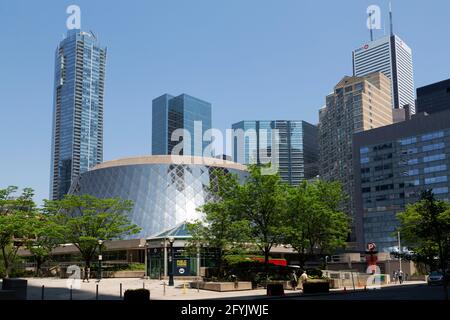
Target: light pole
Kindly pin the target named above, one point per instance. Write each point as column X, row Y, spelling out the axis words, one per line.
column 171, row 256
column 100, row 258
column 146, row 260
column 399, row 251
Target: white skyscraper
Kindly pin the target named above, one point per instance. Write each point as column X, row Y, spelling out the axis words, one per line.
column 393, row 57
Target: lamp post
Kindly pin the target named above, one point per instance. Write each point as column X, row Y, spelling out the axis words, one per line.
column 399, row 251
column 146, row 259
column 171, row 261
column 100, row 258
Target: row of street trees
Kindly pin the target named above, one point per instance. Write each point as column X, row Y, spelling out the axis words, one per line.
column 79, row 220
column 264, row 212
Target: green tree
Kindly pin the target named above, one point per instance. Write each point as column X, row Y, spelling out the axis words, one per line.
column 261, row 203
column 425, row 228
column 48, row 234
column 87, row 219
column 222, row 227
column 15, row 227
column 314, row 224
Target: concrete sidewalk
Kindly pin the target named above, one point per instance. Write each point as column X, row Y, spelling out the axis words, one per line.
column 109, row 289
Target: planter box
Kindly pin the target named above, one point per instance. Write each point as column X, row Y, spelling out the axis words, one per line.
column 127, row 274
column 316, row 287
column 275, row 289
column 7, row 295
column 222, row 286
column 138, row 295
column 19, row 286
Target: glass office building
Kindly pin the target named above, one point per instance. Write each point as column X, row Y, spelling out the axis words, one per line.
column 434, row 97
column 296, row 148
column 165, row 190
column 77, row 139
column 170, row 113
column 393, row 165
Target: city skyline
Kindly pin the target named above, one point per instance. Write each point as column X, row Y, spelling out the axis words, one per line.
column 296, row 104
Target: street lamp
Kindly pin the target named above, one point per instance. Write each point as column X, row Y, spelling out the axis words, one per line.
column 171, row 261
column 100, row 258
column 146, row 245
column 399, row 251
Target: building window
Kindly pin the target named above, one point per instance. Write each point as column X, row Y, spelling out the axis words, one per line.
column 364, row 150
column 442, row 167
column 432, row 147
column 407, row 141
column 365, row 160
column 436, row 180
column 435, row 157
column 434, row 135
column 440, row 190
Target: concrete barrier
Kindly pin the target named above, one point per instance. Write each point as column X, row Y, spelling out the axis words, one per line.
column 7, row 295
column 222, row 286
column 19, row 286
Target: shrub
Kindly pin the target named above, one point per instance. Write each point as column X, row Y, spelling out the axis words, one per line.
column 137, row 295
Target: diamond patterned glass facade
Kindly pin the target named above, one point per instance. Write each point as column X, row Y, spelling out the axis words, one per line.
column 164, row 195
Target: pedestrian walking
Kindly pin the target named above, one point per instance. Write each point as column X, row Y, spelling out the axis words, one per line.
column 86, row 274
column 394, row 276
column 294, row 281
column 400, row 276
column 303, row 278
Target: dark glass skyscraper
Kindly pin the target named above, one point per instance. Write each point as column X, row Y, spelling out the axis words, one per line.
column 297, row 147
column 434, row 97
column 77, row 139
column 183, row 112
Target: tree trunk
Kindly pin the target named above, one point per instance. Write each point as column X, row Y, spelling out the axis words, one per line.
column 38, row 266
column 5, row 262
column 266, row 261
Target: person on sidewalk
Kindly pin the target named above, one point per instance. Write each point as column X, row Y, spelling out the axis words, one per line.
column 303, row 278
column 400, row 276
column 294, row 281
column 86, row 274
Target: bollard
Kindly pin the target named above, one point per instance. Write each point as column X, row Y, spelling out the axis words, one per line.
column 143, row 285
column 121, row 291
column 42, row 293
column 164, row 284
column 96, row 292
column 198, row 286
column 184, row 288
column 70, row 292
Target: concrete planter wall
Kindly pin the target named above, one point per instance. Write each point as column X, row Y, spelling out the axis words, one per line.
column 126, row 274
column 222, row 286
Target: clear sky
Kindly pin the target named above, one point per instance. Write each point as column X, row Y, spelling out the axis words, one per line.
column 252, row 59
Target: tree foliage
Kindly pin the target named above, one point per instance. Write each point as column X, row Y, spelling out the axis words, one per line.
column 425, row 229
column 87, row 219
column 314, row 224
column 16, row 216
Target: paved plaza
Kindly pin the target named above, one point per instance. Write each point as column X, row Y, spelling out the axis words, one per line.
column 109, row 289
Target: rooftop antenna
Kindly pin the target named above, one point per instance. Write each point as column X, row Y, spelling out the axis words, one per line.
column 390, row 19
column 370, row 26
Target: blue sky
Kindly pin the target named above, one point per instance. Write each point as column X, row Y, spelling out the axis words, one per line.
column 250, row 58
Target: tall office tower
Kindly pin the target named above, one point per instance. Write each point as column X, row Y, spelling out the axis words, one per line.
column 391, row 56
column 77, row 139
column 393, row 165
column 297, row 147
column 357, row 104
column 434, row 97
column 183, row 112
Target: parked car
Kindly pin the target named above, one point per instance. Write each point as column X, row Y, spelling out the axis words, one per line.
column 435, row 277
